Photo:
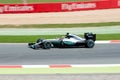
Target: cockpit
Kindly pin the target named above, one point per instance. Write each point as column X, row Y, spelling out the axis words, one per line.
column 73, row 36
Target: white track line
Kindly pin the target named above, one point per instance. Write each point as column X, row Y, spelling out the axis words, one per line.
column 102, row 42
column 35, row 66
column 72, row 65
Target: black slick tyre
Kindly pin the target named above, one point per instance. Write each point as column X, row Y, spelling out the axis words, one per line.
column 90, row 43
column 46, row 45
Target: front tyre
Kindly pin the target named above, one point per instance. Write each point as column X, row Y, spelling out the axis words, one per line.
column 46, row 45
column 90, row 43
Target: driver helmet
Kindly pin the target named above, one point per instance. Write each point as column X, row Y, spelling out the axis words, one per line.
column 67, row 35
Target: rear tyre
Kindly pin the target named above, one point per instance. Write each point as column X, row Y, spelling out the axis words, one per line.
column 90, row 43
column 46, row 45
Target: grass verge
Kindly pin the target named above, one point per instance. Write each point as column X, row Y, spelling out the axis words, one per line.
column 60, row 70
column 62, row 25
column 26, row 39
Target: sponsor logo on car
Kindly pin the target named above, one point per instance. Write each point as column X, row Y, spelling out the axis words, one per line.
column 9, row 8
column 78, row 6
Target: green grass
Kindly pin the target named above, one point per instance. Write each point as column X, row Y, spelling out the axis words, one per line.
column 108, row 37
column 81, row 70
column 26, row 39
column 63, row 25
column 38, row 1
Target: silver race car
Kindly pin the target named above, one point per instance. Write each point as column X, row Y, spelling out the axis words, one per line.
column 69, row 41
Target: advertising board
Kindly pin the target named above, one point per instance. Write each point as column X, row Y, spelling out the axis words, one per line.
column 58, row 7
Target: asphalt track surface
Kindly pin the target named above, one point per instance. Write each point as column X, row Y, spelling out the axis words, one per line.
column 62, row 77
column 20, row 54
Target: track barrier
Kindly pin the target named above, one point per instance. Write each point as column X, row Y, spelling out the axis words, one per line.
column 58, row 7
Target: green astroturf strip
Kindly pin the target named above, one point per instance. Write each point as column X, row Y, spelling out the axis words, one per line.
column 26, row 39
column 105, row 24
column 61, row 70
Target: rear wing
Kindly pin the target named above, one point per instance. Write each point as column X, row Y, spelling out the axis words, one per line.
column 90, row 36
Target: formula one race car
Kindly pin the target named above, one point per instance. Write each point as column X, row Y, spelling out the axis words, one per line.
column 69, row 41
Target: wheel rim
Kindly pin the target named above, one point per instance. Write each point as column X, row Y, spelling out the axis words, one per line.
column 47, row 45
column 90, row 44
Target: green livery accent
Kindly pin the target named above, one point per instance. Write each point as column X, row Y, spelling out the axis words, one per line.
column 56, row 43
column 69, row 43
